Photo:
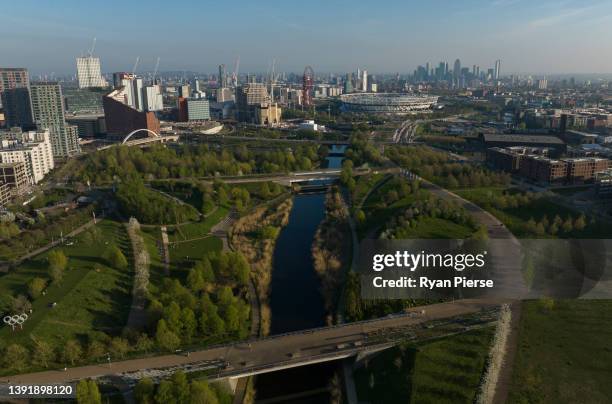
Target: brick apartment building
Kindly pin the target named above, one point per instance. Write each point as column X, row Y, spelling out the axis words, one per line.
column 536, row 165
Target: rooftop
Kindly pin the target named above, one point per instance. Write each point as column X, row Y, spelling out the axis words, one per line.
column 487, row 137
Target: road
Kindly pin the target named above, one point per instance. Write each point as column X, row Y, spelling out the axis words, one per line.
column 271, row 353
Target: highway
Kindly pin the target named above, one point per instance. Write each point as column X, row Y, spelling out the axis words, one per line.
column 275, row 352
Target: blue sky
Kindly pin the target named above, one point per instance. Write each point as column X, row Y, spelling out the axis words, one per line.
column 529, row 36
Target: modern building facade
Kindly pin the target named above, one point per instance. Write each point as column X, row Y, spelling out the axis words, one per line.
column 121, row 118
column 248, row 97
column 48, row 112
column 15, row 97
column 15, row 176
column 198, row 110
column 89, row 73
column 33, row 149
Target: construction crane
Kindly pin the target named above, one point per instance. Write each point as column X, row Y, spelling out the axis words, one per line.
column 155, row 70
column 272, row 79
column 235, row 72
column 93, row 46
column 135, row 65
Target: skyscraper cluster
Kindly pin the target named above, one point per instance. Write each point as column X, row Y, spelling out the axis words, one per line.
column 459, row 76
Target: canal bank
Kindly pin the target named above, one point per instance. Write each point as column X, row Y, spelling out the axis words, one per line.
column 296, row 302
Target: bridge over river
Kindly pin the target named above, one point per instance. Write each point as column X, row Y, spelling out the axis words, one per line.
column 233, row 361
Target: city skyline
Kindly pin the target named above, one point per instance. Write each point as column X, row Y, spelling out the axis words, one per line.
column 392, row 37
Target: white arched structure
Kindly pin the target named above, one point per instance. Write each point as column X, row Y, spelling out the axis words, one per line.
column 149, row 132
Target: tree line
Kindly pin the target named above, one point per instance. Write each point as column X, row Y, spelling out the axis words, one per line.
column 158, row 162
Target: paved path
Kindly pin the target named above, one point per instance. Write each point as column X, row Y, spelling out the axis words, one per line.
column 261, row 355
column 55, row 243
column 164, row 249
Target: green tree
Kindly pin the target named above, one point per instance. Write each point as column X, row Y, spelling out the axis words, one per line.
column 181, row 387
column 144, row 343
column 172, row 315
column 165, row 393
column 35, row 287
column 96, row 350
column 269, row 232
column 57, row 259
column 115, row 258
column 16, row 357
column 72, row 351
column 189, row 324
column 205, row 268
column 232, row 320
column 87, row 392
column 195, row 280
column 57, row 265
column 144, row 391
column 119, row 347
column 166, row 339
column 43, row 353
column 201, row 393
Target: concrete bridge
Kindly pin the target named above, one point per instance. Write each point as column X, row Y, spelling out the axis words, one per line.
column 233, row 361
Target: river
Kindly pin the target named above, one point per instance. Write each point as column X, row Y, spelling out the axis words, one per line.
column 295, row 299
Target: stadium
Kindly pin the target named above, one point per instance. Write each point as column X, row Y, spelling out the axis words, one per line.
column 386, row 102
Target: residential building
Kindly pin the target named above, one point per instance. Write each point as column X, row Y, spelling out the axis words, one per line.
column 248, row 97
column 5, row 194
column 48, row 112
column 584, row 169
column 15, row 97
column 15, row 176
column 198, row 110
column 152, row 98
column 269, row 115
column 89, row 73
column 33, row 149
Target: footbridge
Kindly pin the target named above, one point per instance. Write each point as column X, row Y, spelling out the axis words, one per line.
column 152, row 137
column 301, row 348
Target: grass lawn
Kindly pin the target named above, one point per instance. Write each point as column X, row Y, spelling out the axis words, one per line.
column 92, row 297
column 193, row 250
column 152, row 239
column 197, row 229
column 564, row 354
column 444, row 371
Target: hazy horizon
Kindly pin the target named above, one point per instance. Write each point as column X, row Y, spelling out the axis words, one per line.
column 549, row 37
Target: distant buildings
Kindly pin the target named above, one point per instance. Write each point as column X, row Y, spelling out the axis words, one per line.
column 15, row 97
column 311, row 125
column 48, row 113
column 497, row 69
column 33, row 149
column 556, row 145
column 364, row 81
column 254, row 105
column 198, row 110
column 152, row 98
column 122, row 117
column 222, row 76
column 89, row 73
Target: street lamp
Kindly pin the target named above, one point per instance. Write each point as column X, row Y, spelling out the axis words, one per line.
column 108, row 358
